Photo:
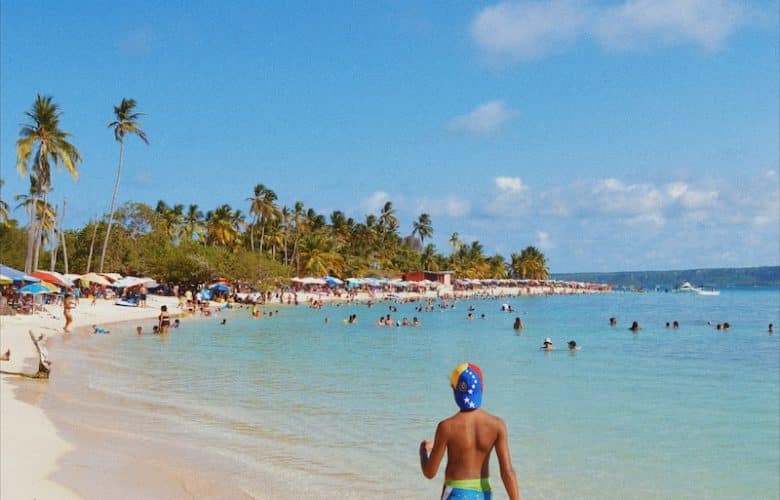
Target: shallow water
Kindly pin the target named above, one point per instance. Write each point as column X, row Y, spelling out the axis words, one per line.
column 293, row 407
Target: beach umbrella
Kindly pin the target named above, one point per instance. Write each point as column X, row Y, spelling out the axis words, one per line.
column 94, row 278
column 53, row 277
column 34, row 289
column 5, row 280
column 331, row 281
column 219, row 287
column 17, row 275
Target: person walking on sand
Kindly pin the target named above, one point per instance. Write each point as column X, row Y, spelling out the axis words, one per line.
column 67, row 305
column 469, row 437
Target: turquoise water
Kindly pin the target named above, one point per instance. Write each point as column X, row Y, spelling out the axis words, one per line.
column 336, row 410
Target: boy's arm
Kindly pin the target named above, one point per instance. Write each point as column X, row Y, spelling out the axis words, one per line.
column 508, row 475
column 430, row 463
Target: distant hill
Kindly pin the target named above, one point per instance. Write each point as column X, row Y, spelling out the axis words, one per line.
column 720, row 278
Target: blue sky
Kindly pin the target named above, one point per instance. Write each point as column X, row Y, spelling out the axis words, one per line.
column 614, row 135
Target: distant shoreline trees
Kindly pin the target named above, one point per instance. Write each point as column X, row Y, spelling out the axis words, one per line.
column 171, row 243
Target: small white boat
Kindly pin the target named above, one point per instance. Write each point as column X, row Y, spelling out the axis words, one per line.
column 686, row 287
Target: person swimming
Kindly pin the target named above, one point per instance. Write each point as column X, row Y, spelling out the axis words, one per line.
column 547, row 345
column 518, row 324
column 573, row 346
column 612, row 321
column 635, row 327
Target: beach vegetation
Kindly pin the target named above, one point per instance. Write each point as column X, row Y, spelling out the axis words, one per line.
column 126, row 123
column 269, row 243
column 42, row 143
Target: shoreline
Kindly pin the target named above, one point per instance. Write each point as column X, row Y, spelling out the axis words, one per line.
column 30, row 444
column 32, row 461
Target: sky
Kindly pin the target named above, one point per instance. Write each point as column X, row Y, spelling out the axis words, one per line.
column 613, row 135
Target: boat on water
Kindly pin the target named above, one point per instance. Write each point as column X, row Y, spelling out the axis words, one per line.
column 686, row 287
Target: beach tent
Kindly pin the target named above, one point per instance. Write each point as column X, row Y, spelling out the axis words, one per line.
column 16, row 275
column 53, row 277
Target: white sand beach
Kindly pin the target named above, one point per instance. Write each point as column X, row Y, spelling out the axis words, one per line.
column 29, row 443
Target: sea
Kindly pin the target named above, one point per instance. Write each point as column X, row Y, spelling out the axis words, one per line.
column 303, row 404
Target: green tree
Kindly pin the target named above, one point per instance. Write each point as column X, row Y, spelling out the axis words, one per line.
column 43, row 135
column 422, row 227
column 262, row 205
column 126, row 123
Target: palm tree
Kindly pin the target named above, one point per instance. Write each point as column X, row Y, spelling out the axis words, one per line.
column 428, row 258
column 387, row 218
column 126, row 123
column 455, row 242
column 53, row 146
column 319, row 255
column 262, row 205
column 422, row 227
column 530, row 264
column 221, row 224
column 193, row 224
column 44, row 214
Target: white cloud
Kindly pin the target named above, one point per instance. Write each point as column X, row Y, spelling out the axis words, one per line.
column 543, row 241
column 485, row 119
column 511, row 198
column 450, row 206
column 510, row 184
column 529, row 30
column 375, row 202
column 637, row 23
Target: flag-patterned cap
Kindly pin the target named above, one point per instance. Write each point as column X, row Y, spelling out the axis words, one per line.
column 467, row 386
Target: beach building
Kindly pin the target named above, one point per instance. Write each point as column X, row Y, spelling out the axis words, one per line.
column 443, row 277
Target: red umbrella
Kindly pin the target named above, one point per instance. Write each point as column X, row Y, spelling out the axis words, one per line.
column 53, row 277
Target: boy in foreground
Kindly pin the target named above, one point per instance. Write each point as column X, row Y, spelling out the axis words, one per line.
column 468, row 437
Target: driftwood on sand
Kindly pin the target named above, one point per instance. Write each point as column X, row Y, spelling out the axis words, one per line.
column 44, row 364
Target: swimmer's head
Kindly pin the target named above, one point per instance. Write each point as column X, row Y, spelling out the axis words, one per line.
column 467, row 385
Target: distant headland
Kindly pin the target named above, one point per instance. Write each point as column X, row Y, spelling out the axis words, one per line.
column 765, row 276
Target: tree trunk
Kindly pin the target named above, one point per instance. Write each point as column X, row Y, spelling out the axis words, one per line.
column 39, row 233
column 92, row 245
column 56, row 243
column 30, row 237
column 262, row 235
column 62, row 236
column 113, row 204
column 43, row 360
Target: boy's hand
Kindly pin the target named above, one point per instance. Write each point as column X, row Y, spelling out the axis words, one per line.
column 426, row 446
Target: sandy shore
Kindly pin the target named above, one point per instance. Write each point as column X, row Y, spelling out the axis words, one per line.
column 29, row 444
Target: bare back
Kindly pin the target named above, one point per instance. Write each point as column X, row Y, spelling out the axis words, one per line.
column 470, row 437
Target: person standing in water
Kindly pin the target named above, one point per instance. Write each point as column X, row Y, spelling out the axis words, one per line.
column 469, row 437
column 163, row 320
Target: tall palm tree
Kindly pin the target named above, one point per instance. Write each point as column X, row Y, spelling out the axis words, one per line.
column 423, row 227
column 43, row 134
column 387, row 218
column 262, row 205
column 529, row 264
column 126, row 123
column 455, row 242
